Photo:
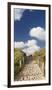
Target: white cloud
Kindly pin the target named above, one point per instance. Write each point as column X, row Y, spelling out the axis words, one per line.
column 29, row 47
column 31, row 50
column 19, row 44
column 18, row 14
column 37, row 32
column 31, row 42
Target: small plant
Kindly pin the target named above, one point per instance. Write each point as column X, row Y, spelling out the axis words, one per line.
column 19, row 61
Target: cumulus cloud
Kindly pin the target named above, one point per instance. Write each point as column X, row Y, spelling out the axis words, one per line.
column 19, row 44
column 28, row 47
column 31, row 50
column 31, row 42
column 18, row 14
column 38, row 33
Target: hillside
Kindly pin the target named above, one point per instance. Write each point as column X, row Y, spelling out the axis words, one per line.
column 28, row 65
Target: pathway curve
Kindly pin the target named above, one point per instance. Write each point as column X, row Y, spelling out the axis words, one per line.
column 31, row 71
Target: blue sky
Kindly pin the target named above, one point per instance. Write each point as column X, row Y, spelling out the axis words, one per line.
column 29, row 28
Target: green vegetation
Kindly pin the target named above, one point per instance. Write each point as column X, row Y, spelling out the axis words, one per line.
column 19, row 61
column 42, row 54
column 35, row 55
column 18, row 55
column 39, row 55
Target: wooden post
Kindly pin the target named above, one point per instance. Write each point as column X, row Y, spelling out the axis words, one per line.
column 38, row 60
column 23, row 60
column 20, row 63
